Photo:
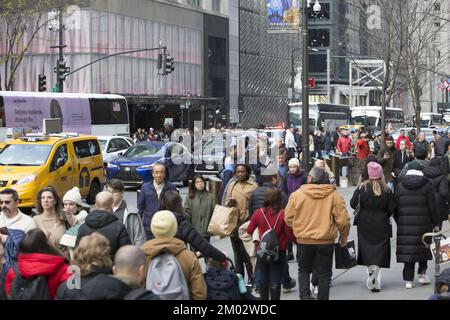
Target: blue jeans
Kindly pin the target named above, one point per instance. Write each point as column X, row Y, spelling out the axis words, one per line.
column 272, row 273
column 148, row 233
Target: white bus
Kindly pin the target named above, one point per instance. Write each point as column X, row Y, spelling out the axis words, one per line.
column 429, row 120
column 369, row 117
column 96, row 114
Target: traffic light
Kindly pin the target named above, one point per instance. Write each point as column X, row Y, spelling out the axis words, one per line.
column 42, row 80
column 168, row 63
column 61, row 70
column 160, row 63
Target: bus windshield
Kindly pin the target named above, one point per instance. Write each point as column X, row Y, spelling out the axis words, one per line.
column 366, row 121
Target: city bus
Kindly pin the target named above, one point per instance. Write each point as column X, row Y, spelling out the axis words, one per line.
column 326, row 115
column 429, row 120
column 95, row 114
column 369, row 118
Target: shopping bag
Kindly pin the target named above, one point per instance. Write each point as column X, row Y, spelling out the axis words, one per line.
column 345, row 258
column 224, row 221
column 444, row 250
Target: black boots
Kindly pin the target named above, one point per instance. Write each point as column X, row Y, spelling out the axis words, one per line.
column 275, row 292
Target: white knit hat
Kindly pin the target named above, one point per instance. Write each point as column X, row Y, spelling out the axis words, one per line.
column 294, row 162
column 74, row 196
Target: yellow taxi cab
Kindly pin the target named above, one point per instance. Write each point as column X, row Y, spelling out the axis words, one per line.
column 62, row 161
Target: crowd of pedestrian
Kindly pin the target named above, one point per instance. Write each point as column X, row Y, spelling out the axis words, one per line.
column 153, row 251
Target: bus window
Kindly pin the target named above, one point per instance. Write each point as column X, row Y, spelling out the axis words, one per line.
column 108, row 111
column 2, row 113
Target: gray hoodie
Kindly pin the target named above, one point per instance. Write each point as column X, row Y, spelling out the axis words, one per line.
column 133, row 223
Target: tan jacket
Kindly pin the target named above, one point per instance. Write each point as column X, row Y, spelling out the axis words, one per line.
column 316, row 213
column 242, row 193
column 187, row 259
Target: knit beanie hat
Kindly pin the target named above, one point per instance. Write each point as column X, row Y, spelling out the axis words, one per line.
column 375, row 170
column 294, row 162
column 74, row 196
column 164, row 224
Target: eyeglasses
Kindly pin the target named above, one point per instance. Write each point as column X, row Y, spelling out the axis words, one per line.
column 5, row 202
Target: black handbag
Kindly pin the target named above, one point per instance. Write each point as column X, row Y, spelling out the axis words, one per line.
column 345, row 258
column 357, row 210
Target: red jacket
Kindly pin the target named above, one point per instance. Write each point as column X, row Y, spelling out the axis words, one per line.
column 38, row 264
column 400, row 139
column 363, row 149
column 281, row 229
column 344, row 144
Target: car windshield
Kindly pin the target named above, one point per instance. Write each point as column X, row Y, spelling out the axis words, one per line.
column 25, row 154
column 144, row 150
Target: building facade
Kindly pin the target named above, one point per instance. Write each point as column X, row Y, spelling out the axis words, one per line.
column 187, row 28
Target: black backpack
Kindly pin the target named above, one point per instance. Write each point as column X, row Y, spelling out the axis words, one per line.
column 35, row 288
column 269, row 245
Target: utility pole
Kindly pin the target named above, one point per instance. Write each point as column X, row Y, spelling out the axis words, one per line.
column 305, row 91
column 60, row 68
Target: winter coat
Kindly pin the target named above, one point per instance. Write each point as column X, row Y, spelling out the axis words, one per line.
column 187, row 259
column 344, row 144
column 400, row 163
column 132, row 222
column 376, row 147
column 108, row 287
column 108, row 225
column 199, row 210
column 387, row 164
column 64, row 293
column 187, row 233
column 149, row 203
column 282, row 231
column 257, row 198
column 420, row 145
column 363, row 149
column 39, row 264
column 319, row 142
column 423, row 164
column 415, row 215
column 374, row 247
column 317, row 213
column 293, row 182
column 242, row 193
column 440, row 146
column 440, row 189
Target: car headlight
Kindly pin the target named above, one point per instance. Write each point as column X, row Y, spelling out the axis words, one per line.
column 147, row 166
column 112, row 166
column 27, row 179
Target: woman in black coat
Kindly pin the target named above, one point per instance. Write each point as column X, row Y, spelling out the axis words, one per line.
column 186, row 232
column 401, row 158
column 415, row 215
column 376, row 206
column 438, row 180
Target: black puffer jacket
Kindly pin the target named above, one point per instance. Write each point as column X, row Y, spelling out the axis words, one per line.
column 257, row 198
column 64, row 293
column 415, row 215
column 187, row 233
column 108, row 225
column 440, row 189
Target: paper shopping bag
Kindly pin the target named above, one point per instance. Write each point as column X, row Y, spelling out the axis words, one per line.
column 223, row 221
column 345, row 258
column 444, row 251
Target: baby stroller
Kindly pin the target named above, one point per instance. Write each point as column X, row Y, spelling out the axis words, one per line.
column 224, row 284
column 440, row 248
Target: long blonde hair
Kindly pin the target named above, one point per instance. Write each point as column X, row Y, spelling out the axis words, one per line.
column 378, row 186
column 322, row 164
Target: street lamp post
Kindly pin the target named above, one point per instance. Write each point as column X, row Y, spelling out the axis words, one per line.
column 305, row 81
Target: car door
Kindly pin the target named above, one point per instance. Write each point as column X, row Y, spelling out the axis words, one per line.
column 84, row 167
column 178, row 162
column 122, row 145
column 61, row 170
column 111, row 150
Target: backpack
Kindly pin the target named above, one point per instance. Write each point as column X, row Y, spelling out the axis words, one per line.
column 35, row 288
column 269, row 245
column 221, row 284
column 165, row 278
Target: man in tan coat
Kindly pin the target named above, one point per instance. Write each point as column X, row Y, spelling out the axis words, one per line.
column 317, row 213
column 164, row 227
